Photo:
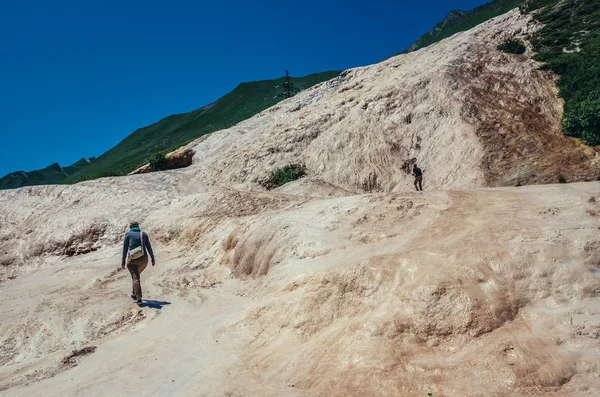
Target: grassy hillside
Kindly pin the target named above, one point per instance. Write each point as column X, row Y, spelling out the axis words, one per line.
column 172, row 132
column 459, row 21
column 569, row 44
column 52, row 174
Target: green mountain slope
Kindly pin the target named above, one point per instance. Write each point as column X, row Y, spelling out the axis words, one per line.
column 569, row 45
column 54, row 173
column 459, row 21
column 170, row 133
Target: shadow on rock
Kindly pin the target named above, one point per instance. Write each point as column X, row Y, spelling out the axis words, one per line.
column 153, row 304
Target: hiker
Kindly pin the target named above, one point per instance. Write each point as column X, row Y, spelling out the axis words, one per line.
column 418, row 178
column 136, row 248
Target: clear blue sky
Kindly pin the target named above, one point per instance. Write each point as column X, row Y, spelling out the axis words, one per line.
column 76, row 77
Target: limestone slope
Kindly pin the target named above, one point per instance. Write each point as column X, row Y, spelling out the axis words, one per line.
column 313, row 290
column 455, row 292
column 469, row 114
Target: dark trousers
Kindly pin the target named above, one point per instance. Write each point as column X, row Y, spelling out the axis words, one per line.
column 419, row 182
column 136, row 267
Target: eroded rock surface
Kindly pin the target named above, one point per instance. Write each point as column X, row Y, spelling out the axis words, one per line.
column 312, row 289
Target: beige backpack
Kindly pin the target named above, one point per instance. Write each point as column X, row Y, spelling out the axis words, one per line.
column 138, row 252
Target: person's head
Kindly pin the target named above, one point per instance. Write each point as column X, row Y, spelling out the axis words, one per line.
column 133, row 224
column 415, row 165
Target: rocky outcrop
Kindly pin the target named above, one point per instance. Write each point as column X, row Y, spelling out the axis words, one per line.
column 178, row 159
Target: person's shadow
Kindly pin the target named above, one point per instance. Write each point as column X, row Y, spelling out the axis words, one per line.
column 153, row 304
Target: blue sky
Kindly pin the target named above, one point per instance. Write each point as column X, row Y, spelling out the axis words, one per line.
column 76, row 77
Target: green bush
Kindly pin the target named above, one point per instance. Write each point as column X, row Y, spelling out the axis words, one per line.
column 283, row 175
column 158, row 162
column 562, row 179
column 582, row 120
column 512, row 46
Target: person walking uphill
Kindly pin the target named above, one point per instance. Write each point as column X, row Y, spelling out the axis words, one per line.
column 418, row 178
column 136, row 248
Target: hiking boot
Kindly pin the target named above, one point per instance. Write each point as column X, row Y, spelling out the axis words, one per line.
column 139, row 301
column 133, row 297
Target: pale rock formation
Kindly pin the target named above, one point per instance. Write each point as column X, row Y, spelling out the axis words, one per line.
column 312, row 289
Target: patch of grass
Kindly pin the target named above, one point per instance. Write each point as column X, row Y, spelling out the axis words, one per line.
column 512, row 46
column 569, row 45
column 284, row 175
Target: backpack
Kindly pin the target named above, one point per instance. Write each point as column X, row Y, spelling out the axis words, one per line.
column 138, row 252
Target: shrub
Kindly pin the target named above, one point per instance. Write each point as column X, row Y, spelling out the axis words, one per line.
column 158, row 162
column 512, row 46
column 283, row 175
column 562, row 179
column 582, row 120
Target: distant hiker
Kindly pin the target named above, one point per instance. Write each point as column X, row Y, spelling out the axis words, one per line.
column 418, row 178
column 136, row 248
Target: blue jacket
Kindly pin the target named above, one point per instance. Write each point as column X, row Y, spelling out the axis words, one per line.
column 132, row 240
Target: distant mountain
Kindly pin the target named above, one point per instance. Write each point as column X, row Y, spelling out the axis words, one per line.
column 458, row 21
column 172, row 132
column 54, row 173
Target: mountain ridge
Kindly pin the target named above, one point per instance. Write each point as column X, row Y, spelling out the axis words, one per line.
column 52, row 174
column 460, row 20
column 168, row 133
